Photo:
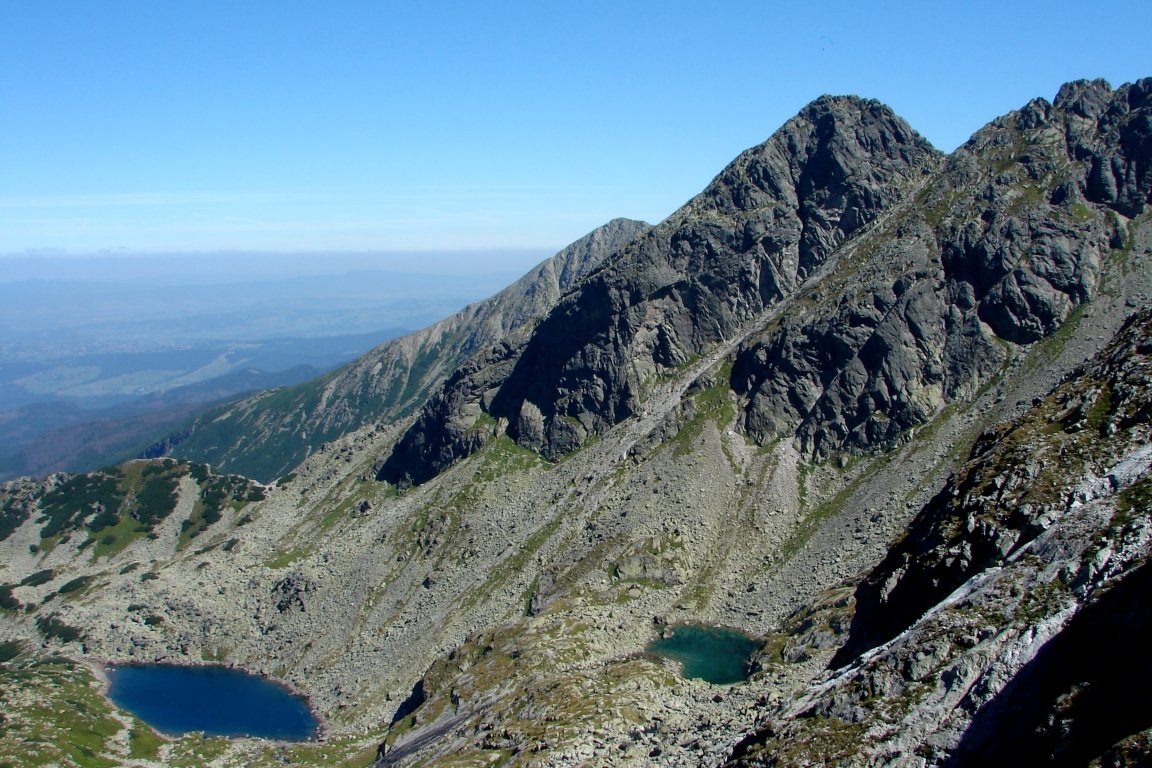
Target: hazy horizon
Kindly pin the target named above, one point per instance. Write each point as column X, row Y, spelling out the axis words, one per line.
column 238, row 266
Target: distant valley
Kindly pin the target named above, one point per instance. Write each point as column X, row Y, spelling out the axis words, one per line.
column 92, row 371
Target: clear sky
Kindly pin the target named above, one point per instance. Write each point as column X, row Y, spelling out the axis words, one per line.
column 190, row 125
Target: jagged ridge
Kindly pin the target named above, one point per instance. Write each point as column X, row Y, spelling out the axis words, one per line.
column 756, row 232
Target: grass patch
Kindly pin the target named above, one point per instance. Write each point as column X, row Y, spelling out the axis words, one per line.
column 710, row 402
column 52, row 627
column 1081, row 212
column 9, row 650
column 285, row 559
column 144, row 743
column 502, row 456
column 59, row 719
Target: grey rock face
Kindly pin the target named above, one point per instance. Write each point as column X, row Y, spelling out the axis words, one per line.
column 754, row 234
column 1005, row 496
column 1008, row 622
column 965, row 261
column 1111, row 134
column 1000, row 246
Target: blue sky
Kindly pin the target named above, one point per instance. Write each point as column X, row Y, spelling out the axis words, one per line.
column 372, row 126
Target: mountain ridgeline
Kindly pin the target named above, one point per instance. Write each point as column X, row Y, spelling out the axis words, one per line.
column 993, row 246
column 881, row 409
column 267, row 434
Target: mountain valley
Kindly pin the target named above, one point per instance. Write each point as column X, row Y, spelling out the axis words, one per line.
column 884, row 410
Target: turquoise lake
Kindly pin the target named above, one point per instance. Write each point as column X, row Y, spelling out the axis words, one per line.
column 713, row 654
column 219, row 701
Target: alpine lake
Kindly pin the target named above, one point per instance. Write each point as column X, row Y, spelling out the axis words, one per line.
column 218, row 701
column 714, row 654
column 221, row 701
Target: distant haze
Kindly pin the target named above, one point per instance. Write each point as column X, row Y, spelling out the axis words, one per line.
column 136, row 342
column 217, row 267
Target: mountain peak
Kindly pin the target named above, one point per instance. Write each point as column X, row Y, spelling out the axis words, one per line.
column 1086, row 98
column 832, row 142
column 749, row 240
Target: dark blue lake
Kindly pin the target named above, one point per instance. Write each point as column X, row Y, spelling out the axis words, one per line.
column 219, row 701
column 714, row 654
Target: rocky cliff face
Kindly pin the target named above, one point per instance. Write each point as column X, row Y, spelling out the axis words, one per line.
column 1010, row 621
column 756, row 233
column 266, row 435
column 884, row 410
column 998, row 248
column 997, row 244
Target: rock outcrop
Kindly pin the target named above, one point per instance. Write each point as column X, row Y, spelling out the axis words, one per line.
column 1006, row 626
column 996, row 244
column 999, row 246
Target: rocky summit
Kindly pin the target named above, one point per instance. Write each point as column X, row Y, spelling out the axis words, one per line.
column 881, row 410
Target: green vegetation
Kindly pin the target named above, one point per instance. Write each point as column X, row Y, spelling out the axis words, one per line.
column 54, row 628
column 237, row 439
column 1047, row 349
column 217, row 494
column 157, row 497
column 114, row 507
column 1081, row 212
column 10, row 649
column 285, row 559
column 91, row 500
column 38, row 578
column 75, row 585
column 58, row 718
column 12, row 515
column 1133, row 501
column 111, row 508
column 1041, row 601
column 708, row 401
column 144, row 743
column 9, row 601
column 503, row 456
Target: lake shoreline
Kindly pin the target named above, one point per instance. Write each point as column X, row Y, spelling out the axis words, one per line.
column 100, row 669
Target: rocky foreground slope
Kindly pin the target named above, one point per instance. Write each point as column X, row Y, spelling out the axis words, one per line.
column 846, row 340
